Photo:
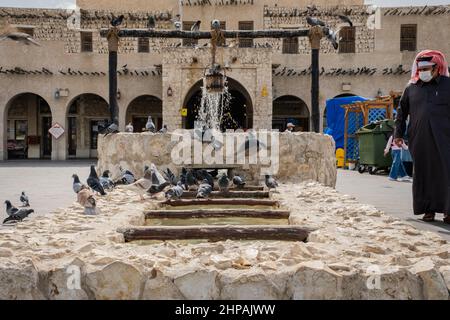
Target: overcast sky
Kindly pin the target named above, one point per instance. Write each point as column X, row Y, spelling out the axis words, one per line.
column 71, row 3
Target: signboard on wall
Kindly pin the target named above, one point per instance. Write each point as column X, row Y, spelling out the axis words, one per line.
column 56, row 131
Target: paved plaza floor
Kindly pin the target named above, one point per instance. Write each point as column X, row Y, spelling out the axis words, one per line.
column 49, row 186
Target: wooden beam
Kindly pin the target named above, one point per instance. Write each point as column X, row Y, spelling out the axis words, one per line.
column 216, row 233
column 179, row 34
column 217, row 213
column 231, row 194
column 234, row 202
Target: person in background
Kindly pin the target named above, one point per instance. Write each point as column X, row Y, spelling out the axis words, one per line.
column 398, row 172
column 406, row 155
column 426, row 100
column 290, row 127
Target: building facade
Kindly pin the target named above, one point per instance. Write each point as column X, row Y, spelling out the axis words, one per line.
column 65, row 80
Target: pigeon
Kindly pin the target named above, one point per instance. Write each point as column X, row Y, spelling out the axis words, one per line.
column 94, row 183
column 183, row 178
column 177, row 25
column 127, row 177
column 129, row 128
column 175, row 192
column 151, row 23
column 206, row 176
column 77, row 185
column 196, row 26
column 215, row 24
column 157, row 188
column 142, row 185
column 270, row 182
column 170, row 176
column 332, row 37
column 24, row 199
column 146, row 167
column 112, row 128
column 238, row 182
column 204, row 190
column 190, row 179
column 163, row 129
column 14, row 214
column 224, row 183
column 86, row 199
column 346, row 19
column 115, row 22
column 21, row 37
column 315, row 22
column 214, row 173
column 150, row 126
column 106, row 181
column 157, row 177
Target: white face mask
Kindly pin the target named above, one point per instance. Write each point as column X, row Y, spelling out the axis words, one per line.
column 425, row 76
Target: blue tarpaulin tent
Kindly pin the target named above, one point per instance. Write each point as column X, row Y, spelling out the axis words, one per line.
column 336, row 117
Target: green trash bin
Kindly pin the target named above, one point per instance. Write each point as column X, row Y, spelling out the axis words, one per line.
column 372, row 142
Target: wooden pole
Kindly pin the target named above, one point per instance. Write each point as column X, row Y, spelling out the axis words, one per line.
column 113, row 47
column 216, row 233
column 180, row 34
column 231, row 194
column 217, row 213
column 315, row 34
column 234, row 202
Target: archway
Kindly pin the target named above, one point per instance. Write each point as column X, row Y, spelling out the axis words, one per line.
column 290, row 109
column 28, row 119
column 86, row 114
column 140, row 108
column 239, row 114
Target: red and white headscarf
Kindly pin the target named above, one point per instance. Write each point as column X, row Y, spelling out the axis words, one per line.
column 437, row 57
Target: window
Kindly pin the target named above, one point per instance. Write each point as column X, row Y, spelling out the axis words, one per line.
column 245, row 42
column 143, row 45
column 347, row 42
column 187, row 25
column 86, row 42
column 27, row 30
column 408, row 37
column 290, row 45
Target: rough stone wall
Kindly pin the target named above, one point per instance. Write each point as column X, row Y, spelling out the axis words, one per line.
column 303, row 156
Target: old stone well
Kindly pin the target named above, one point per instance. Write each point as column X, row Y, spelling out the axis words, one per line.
column 353, row 251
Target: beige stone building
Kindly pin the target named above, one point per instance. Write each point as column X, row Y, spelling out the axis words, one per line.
column 65, row 81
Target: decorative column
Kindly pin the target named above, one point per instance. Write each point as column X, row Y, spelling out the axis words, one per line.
column 113, row 47
column 315, row 34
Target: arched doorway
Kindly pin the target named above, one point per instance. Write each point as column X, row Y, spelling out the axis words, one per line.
column 140, row 108
column 238, row 115
column 28, row 119
column 290, row 109
column 86, row 114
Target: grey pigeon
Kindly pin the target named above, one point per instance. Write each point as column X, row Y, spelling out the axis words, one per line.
column 115, row 22
column 315, row 22
column 24, row 199
column 163, row 129
column 190, row 179
column 176, row 192
column 224, row 183
column 204, row 190
column 270, row 182
column 215, row 24
column 14, row 214
column 346, row 19
column 207, row 176
column 183, row 178
column 196, row 26
column 170, row 176
column 129, row 128
column 90, row 207
column 127, row 177
column 177, row 25
column 238, row 182
column 332, row 37
column 157, row 188
column 77, row 185
column 94, row 182
column 157, row 177
column 112, row 128
column 21, row 37
column 150, row 126
column 106, row 181
column 151, row 23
